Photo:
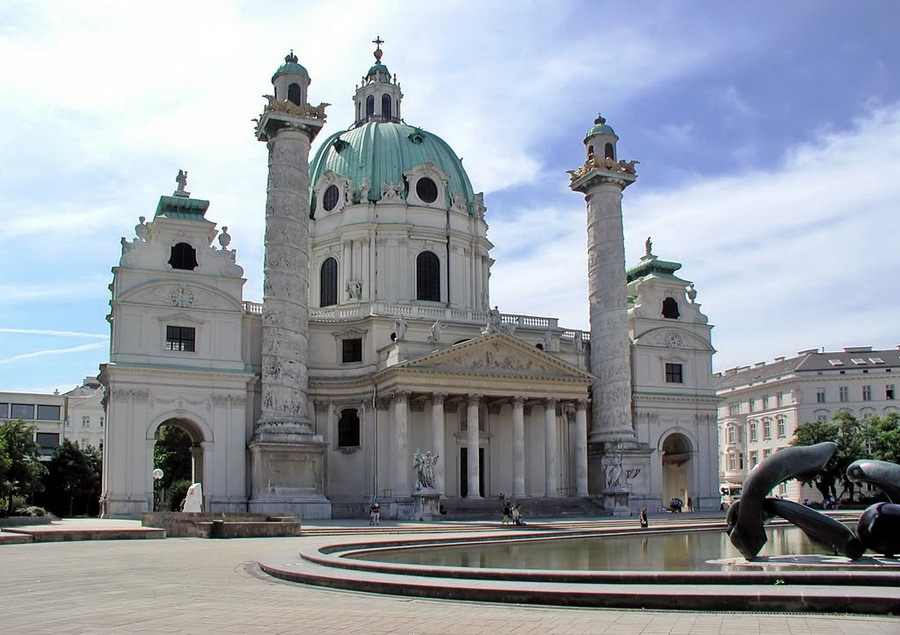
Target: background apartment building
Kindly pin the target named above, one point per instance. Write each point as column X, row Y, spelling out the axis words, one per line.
column 763, row 404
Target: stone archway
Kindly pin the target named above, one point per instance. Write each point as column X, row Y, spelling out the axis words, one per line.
column 676, row 455
column 178, row 452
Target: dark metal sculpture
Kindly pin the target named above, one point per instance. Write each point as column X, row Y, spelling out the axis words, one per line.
column 878, row 528
column 747, row 532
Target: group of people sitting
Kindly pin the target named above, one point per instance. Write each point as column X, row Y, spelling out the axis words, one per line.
column 676, row 505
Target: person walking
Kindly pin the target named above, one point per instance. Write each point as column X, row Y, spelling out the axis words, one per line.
column 644, row 521
column 375, row 514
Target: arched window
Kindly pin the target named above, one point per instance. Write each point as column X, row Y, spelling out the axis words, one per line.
column 670, row 309
column 294, row 94
column 428, row 277
column 370, row 106
column 183, row 257
column 386, row 107
column 328, row 283
column 609, row 151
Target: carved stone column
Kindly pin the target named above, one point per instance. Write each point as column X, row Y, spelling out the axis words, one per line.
column 518, row 430
column 401, row 457
column 287, row 459
column 473, row 470
column 581, row 470
column 437, row 436
column 602, row 186
column 551, row 449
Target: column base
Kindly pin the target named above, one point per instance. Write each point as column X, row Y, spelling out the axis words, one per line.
column 288, row 476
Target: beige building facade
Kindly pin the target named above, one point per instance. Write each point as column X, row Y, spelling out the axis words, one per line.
column 762, row 405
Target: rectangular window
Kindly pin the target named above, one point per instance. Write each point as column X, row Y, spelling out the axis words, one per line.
column 730, row 435
column 888, row 394
column 779, row 399
column 673, row 374
column 48, row 442
column 782, row 489
column 101, row 421
column 765, row 402
column 767, row 453
column 734, row 408
column 752, row 405
column 782, row 432
column 820, row 395
column 180, row 338
column 843, row 393
column 351, row 351
column 767, row 429
column 822, row 418
column 85, row 421
column 867, row 393
column 4, row 410
column 348, row 428
column 21, row 411
column 732, row 462
column 754, row 458
column 754, row 431
column 48, row 413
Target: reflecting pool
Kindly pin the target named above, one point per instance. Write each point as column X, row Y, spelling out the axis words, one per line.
column 670, row 551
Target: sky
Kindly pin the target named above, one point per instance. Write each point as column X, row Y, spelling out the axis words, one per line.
column 768, row 135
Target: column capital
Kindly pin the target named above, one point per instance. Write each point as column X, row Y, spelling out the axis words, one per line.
column 437, row 398
column 474, row 399
column 518, row 401
column 400, row 395
column 581, row 404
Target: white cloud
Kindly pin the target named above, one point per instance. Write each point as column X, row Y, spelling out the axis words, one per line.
column 55, row 351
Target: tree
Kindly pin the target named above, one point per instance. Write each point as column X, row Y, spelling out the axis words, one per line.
column 881, row 437
column 73, row 480
column 20, row 468
column 872, row 438
column 172, row 454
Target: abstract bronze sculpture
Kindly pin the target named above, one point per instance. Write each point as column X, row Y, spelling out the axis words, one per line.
column 878, row 528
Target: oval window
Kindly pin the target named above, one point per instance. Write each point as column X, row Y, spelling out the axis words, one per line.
column 426, row 190
column 330, row 200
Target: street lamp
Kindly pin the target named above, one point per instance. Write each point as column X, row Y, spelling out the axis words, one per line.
column 157, row 476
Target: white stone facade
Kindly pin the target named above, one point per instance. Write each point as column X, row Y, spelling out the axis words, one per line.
column 376, row 339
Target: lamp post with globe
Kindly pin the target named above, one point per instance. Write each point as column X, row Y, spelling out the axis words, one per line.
column 157, row 476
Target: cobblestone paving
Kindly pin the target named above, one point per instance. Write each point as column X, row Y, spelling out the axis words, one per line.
column 182, row 585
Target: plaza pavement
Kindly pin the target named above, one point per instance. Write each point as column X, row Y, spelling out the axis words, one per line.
column 190, row 585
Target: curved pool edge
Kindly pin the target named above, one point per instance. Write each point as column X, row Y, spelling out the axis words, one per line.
column 833, row 591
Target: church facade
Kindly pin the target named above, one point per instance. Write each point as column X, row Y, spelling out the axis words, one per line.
column 376, row 340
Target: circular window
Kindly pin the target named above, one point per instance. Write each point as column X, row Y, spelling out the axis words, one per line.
column 330, row 200
column 426, row 190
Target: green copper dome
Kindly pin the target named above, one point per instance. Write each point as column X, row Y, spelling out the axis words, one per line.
column 381, row 152
column 290, row 66
column 378, row 73
column 599, row 128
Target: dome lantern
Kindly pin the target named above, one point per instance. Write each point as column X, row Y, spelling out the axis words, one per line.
column 601, row 140
column 378, row 97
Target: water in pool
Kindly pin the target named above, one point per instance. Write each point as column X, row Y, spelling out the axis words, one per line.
column 682, row 551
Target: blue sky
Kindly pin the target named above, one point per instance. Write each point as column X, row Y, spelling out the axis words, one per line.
column 768, row 136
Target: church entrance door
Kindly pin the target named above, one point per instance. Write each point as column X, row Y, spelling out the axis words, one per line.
column 676, row 464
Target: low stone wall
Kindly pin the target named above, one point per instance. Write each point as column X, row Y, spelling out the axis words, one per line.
column 18, row 521
column 222, row 525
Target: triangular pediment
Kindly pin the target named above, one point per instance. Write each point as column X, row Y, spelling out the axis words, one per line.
column 495, row 354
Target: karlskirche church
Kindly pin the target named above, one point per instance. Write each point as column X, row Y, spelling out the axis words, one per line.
column 375, row 369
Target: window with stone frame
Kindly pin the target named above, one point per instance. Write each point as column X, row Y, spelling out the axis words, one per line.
column 181, row 338
column 843, row 393
column 767, row 429
column 328, row 283
column 670, row 309
column 386, row 107
column 820, row 395
column 295, row 93
column 351, row 350
column 781, row 428
column 183, row 256
column 889, row 392
column 348, row 428
column 867, row 393
column 754, row 458
column 428, row 277
column 674, row 373
column 370, row 106
column 754, row 431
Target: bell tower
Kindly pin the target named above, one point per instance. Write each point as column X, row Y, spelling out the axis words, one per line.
column 287, row 459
